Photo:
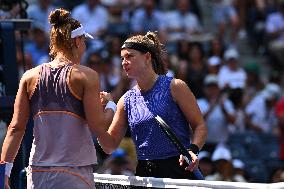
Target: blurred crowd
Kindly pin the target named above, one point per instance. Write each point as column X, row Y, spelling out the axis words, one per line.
column 239, row 97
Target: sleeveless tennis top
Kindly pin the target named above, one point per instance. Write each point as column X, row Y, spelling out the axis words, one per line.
column 141, row 108
column 61, row 133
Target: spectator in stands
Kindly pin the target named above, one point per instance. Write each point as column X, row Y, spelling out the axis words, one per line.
column 39, row 12
column 182, row 49
column 181, row 22
column 241, row 9
column 96, row 59
column 224, row 171
column 193, row 70
column 93, row 16
column 277, row 175
column 260, row 116
column 37, row 47
column 239, row 170
column 195, row 8
column 12, row 12
column 225, row 13
column 213, row 65
column 67, row 4
column 117, row 164
column 205, row 163
column 216, row 47
column 147, row 18
column 218, row 111
column 119, row 17
column 25, row 62
column 279, row 111
column 115, row 73
column 168, row 5
column 236, row 97
column 231, row 74
column 256, row 17
column 254, row 82
column 275, row 31
column 232, row 78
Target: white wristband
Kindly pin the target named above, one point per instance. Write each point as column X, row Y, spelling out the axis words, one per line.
column 111, row 105
column 8, row 168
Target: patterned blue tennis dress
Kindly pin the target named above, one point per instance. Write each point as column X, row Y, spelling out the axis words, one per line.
column 141, row 108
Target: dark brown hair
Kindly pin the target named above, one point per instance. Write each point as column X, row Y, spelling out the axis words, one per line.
column 156, row 49
column 60, row 34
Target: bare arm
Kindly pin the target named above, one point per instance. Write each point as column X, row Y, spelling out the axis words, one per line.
column 229, row 117
column 111, row 140
column 252, row 125
column 16, row 129
column 98, row 119
column 188, row 105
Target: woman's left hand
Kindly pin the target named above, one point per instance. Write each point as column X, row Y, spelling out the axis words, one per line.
column 194, row 161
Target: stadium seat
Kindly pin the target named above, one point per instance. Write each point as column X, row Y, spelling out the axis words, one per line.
column 257, row 171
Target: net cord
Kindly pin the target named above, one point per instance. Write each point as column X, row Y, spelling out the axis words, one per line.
column 151, row 182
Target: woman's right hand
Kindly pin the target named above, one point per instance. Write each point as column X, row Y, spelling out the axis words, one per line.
column 105, row 98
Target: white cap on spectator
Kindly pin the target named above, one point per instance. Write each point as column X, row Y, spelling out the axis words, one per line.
column 271, row 91
column 211, row 79
column 214, row 61
column 203, row 154
column 238, row 164
column 221, row 153
column 231, row 53
column 109, row 2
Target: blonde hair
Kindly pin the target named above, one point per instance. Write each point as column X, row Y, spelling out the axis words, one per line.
column 60, row 34
column 157, row 50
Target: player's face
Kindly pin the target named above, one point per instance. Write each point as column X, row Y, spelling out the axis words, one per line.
column 133, row 62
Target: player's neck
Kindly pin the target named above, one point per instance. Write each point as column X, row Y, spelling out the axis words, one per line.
column 147, row 83
column 63, row 59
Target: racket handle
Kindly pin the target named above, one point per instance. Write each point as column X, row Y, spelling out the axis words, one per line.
column 197, row 174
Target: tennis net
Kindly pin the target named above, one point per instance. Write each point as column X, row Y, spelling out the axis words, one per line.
column 106, row 181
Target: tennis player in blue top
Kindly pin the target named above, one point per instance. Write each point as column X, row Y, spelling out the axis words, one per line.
column 155, row 94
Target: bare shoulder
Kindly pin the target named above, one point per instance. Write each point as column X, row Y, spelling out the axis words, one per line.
column 180, row 90
column 31, row 74
column 178, row 84
column 84, row 73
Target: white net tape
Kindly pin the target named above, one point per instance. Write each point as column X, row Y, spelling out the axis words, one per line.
column 150, row 182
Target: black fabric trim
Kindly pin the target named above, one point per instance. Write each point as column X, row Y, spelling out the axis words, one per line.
column 137, row 46
column 194, row 148
column 144, row 49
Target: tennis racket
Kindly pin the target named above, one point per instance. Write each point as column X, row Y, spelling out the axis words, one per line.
column 167, row 130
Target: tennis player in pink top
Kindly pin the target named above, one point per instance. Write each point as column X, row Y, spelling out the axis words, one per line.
column 67, row 107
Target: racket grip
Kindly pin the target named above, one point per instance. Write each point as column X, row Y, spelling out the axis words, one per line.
column 197, row 174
